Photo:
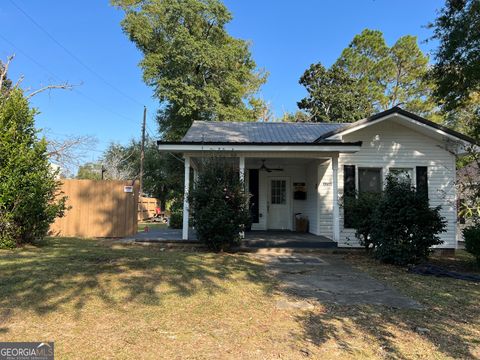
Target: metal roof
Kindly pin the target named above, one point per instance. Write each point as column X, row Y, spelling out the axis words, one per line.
column 257, row 132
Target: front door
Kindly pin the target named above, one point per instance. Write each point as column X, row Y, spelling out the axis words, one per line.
column 278, row 203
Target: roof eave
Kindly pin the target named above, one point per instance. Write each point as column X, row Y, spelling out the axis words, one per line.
column 397, row 111
column 328, row 146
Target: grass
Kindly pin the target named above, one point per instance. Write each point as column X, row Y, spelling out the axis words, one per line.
column 98, row 299
column 447, row 328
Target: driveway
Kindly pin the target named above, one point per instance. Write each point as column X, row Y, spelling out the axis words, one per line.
column 328, row 278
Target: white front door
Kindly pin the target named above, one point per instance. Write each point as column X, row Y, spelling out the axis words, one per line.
column 278, row 203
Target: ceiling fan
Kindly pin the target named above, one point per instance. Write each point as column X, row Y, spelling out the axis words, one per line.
column 267, row 169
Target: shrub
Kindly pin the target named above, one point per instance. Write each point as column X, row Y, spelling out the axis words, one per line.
column 404, row 226
column 29, row 191
column 471, row 235
column 175, row 207
column 219, row 205
column 360, row 209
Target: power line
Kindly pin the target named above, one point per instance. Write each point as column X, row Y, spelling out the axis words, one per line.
column 57, row 78
column 75, row 57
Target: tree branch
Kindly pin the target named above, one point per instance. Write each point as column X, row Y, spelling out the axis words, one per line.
column 64, row 86
column 4, row 69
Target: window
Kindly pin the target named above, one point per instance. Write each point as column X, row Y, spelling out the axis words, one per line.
column 279, row 192
column 402, row 174
column 369, row 180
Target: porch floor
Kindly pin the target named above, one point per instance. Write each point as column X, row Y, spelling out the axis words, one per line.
column 253, row 239
column 287, row 239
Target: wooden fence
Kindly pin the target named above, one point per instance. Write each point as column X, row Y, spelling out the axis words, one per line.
column 146, row 207
column 98, row 209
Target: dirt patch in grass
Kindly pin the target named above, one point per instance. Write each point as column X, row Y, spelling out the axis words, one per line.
column 152, row 226
column 98, row 299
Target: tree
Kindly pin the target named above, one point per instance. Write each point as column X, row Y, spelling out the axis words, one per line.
column 297, row 116
column 69, row 151
column 457, row 68
column 5, row 82
column 29, row 189
column 90, row 171
column 119, row 162
column 369, row 77
column 162, row 176
column 333, row 96
column 198, row 71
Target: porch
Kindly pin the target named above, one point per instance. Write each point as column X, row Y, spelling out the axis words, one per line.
column 282, row 188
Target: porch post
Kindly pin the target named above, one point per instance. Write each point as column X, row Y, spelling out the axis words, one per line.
column 336, row 215
column 241, row 167
column 185, row 199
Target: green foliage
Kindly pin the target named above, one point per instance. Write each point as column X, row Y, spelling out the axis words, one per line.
column 162, row 173
column 90, row 171
column 457, row 68
column 471, row 235
column 333, row 96
column 176, row 214
column 360, row 210
column 198, row 71
column 29, row 191
column 404, row 227
column 369, row 76
column 219, row 205
column 297, row 116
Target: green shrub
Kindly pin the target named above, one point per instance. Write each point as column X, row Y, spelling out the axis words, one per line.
column 219, row 205
column 176, row 220
column 404, row 226
column 360, row 209
column 176, row 213
column 471, row 235
column 29, row 191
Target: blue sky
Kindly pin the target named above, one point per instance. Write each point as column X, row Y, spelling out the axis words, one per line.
column 286, row 37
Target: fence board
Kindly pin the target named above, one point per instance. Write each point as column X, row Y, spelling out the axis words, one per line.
column 146, row 207
column 98, row 209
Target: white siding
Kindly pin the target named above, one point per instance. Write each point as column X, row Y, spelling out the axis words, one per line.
column 390, row 144
column 325, row 200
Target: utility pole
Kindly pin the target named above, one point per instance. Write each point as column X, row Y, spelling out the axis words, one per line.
column 142, row 149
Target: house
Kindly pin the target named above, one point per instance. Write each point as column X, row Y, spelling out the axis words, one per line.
column 292, row 168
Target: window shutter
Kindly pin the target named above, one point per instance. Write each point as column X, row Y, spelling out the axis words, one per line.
column 422, row 180
column 349, row 180
column 348, row 191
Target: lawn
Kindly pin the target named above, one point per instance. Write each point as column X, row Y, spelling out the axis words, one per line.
column 98, row 299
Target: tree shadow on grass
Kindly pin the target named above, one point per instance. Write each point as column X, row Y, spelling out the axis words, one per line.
column 74, row 271
column 451, row 312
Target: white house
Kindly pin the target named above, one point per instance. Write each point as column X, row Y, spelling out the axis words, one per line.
column 292, row 168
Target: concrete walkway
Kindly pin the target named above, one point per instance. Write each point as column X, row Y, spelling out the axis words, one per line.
column 328, row 278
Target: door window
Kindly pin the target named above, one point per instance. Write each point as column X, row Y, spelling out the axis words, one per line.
column 279, row 192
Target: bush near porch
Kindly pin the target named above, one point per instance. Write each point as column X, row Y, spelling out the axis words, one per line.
column 219, row 205
column 400, row 227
